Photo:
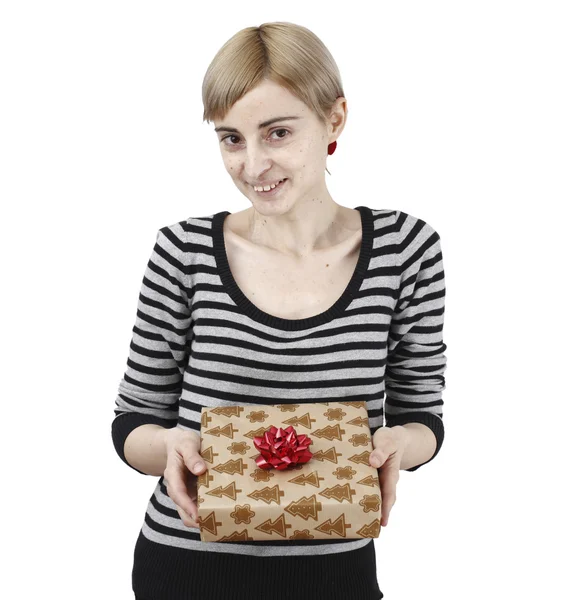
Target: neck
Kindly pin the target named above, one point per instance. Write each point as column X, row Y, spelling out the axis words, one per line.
column 302, row 230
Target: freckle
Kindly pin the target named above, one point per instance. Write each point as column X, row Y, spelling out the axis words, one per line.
column 327, row 265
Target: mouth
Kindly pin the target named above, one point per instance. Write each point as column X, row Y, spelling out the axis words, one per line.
column 274, row 191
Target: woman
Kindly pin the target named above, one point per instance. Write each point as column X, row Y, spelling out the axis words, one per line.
column 295, row 299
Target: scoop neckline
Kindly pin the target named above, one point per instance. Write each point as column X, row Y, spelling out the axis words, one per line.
column 255, row 313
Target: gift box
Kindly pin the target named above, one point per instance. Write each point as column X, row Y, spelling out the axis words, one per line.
column 333, row 494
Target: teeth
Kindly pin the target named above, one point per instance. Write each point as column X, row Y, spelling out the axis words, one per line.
column 267, row 187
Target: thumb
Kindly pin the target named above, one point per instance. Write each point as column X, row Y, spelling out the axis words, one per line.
column 198, row 464
column 194, row 461
column 376, row 458
column 190, row 450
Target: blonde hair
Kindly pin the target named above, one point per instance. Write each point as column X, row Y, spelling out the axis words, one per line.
column 285, row 53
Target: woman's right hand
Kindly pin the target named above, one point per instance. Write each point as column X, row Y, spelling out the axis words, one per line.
column 181, row 472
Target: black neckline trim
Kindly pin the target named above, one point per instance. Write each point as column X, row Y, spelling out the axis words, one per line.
column 252, row 311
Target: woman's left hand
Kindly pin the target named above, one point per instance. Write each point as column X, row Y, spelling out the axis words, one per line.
column 389, row 445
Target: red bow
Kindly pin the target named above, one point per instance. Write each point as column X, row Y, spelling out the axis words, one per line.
column 282, row 448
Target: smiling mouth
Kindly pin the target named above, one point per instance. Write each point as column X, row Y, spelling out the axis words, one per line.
column 273, row 190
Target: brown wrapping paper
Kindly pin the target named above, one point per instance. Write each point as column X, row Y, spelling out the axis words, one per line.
column 335, row 495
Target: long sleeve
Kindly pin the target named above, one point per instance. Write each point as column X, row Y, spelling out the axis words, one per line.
column 416, row 363
column 152, row 383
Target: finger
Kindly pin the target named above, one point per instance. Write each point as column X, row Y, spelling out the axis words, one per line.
column 195, row 464
column 378, row 457
column 190, row 450
column 385, row 444
column 187, row 444
column 186, row 519
column 175, row 474
column 388, row 491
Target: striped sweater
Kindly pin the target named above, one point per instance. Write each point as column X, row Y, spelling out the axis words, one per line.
column 198, row 341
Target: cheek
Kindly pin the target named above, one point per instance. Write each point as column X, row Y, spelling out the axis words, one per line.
column 230, row 164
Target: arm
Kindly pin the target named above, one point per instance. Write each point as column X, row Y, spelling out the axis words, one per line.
column 145, row 451
column 149, row 391
column 416, row 362
column 419, row 443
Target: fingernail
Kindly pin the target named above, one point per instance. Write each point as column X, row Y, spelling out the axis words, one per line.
column 198, row 466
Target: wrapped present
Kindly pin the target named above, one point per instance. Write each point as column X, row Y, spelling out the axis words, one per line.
column 287, row 472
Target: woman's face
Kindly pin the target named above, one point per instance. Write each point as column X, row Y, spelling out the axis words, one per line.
column 293, row 148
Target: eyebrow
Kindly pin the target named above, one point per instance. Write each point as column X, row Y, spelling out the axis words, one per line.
column 261, row 125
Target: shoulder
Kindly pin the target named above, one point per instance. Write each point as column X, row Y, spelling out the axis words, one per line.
column 190, row 241
column 413, row 240
column 414, row 227
column 404, row 222
column 402, row 228
column 189, row 231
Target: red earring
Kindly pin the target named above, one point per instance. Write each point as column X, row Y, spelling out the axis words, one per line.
column 331, row 147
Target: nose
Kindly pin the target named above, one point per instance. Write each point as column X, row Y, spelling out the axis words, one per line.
column 256, row 161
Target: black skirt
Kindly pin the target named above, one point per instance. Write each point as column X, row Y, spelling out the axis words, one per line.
column 167, row 573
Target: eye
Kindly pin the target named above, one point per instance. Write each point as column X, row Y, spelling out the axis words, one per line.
column 277, row 138
column 282, row 129
column 231, row 135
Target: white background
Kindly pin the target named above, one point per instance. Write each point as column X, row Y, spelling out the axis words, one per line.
column 455, row 116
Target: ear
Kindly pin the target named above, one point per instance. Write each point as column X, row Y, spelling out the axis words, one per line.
column 337, row 119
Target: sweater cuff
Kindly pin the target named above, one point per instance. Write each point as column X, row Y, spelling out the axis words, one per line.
column 125, row 423
column 433, row 421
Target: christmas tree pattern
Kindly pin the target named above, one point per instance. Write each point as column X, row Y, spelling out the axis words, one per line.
column 226, row 430
column 312, row 478
column 208, row 523
column 207, row 454
column 257, row 432
column 206, row 420
column 305, row 508
column 228, row 490
column 338, row 526
column 204, row 479
column 371, row 530
column 237, row 536
column 370, row 503
column 363, row 458
column 370, row 480
column 242, row 514
column 331, row 455
column 359, row 422
column 267, row 494
column 279, row 526
column 331, row 432
column 304, row 420
column 228, row 411
column 339, row 492
column 232, row 467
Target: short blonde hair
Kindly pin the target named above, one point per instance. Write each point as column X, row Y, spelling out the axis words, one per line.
column 285, row 53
